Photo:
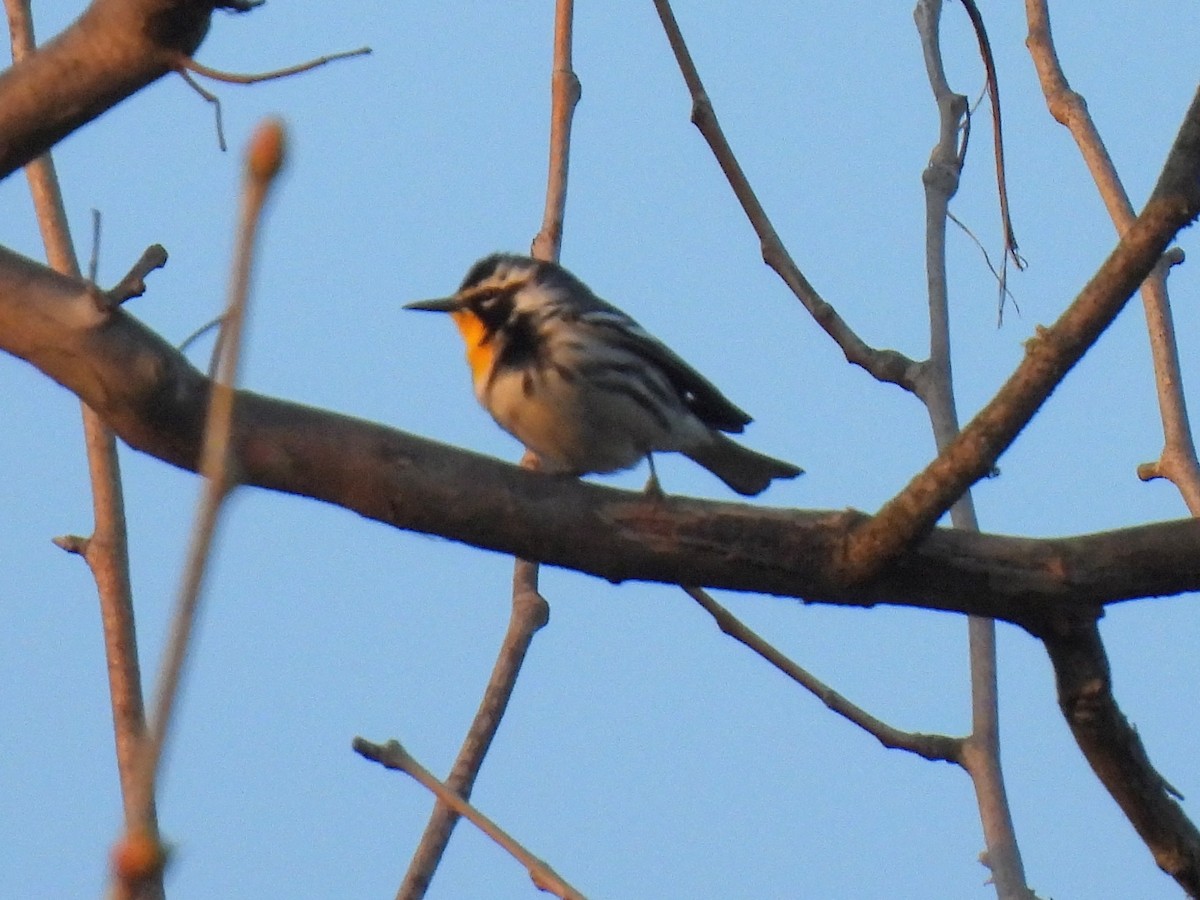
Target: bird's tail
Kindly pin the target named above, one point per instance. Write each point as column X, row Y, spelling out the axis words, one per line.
column 743, row 469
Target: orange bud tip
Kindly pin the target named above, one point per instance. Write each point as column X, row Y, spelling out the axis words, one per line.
column 137, row 856
column 267, row 149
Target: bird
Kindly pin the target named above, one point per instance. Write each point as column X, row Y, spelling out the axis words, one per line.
column 586, row 388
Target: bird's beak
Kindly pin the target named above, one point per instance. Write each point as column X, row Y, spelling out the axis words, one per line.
column 441, row 304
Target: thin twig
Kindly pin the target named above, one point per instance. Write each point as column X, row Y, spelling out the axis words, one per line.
column 199, row 333
column 937, row 747
column 980, row 751
column 106, row 552
column 885, row 365
column 564, row 96
column 187, row 62
column 185, row 65
column 393, row 756
column 211, row 98
column 264, row 158
column 1178, row 462
column 987, row 260
column 530, row 611
column 993, row 89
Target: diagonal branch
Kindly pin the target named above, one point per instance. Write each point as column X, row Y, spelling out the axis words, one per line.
column 392, row 755
column 109, row 53
column 1115, row 751
column 218, row 467
column 885, row 365
column 934, row 747
column 1049, row 355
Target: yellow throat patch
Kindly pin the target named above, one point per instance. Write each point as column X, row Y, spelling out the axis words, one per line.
column 481, row 349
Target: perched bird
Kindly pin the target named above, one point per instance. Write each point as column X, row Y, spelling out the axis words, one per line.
column 583, row 386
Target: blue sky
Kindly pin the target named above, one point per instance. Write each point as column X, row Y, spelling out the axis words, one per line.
column 644, row 754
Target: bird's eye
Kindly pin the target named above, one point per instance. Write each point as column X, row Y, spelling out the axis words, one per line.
column 487, row 298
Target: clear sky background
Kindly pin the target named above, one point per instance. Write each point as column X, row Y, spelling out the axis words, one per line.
column 644, row 754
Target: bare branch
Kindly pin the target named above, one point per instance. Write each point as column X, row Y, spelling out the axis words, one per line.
column 979, row 752
column 212, row 98
column 133, row 284
column 934, row 747
column 1049, row 355
column 564, row 96
column 264, row 158
column 1116, row 753
column 155, row 400
column 885, row 365
column 110, row 52
column 106, row 552
column 1178, row 461
column 186, row 62
column 393, row 756
column 530, row 611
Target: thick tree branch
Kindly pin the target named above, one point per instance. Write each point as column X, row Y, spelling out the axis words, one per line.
column 1117, row 755
column 110, row 52
column 155, row 400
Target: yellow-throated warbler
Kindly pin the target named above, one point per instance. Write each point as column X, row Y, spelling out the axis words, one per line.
column 582, row 385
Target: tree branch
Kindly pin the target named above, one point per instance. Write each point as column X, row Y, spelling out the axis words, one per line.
column 885, row 365
column 106, row 551
column 1178, row 461
column 979, row 753
column 934, row 747
column 1115, row 751
column 1049, row 355
column 110, row 52
column 392, row 755
column 155, row 400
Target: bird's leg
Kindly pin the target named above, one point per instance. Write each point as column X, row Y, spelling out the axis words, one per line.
column 653, row 488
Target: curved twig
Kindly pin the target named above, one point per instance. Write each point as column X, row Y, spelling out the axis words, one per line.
column 187, row 62
column 886, row 365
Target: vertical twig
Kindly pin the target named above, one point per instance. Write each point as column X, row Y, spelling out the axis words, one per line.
column 1111, row 746
column 530, row 612
column 106, row 552
column 264, row 160
column 1178, row 461
column 981, row 749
